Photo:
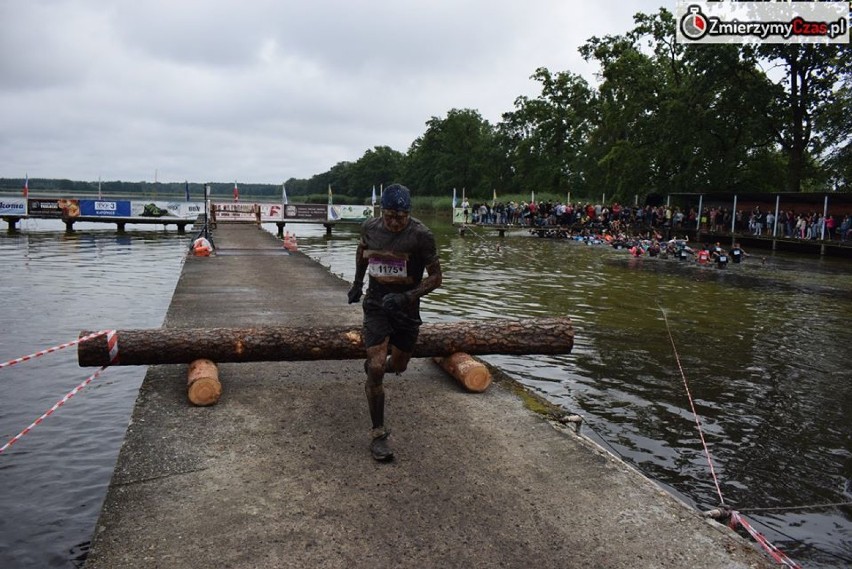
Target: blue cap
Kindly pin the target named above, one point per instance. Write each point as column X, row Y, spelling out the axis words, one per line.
column 396, row 197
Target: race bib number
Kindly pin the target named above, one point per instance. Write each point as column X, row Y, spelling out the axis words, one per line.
column 387, row 268
column 723, row 258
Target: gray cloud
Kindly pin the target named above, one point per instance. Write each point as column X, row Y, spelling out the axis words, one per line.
column 264, row 90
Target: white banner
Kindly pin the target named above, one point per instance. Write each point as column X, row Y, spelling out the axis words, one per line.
column 13, row 206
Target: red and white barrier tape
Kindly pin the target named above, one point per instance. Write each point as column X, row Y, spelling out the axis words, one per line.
column 776, row 554
column 736, row 517
column 57, row 348
column 50, row 411
column 112, row 342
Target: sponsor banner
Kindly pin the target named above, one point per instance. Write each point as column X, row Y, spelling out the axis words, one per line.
column 271, row 212
column 235, row 211
column 700, row 21
column 69, row 208
column 105, row 208
column 458, row 215
column 53, row 208
column 13, row 206
column 185, row 210
column 352, row 212
column 155, row 209
column 314, row 212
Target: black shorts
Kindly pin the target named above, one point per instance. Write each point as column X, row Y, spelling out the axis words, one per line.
column 402, row 329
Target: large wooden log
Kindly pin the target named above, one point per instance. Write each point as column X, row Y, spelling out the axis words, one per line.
column 223, row 345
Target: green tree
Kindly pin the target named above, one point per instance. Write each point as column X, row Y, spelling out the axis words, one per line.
column 676, row 118
column 453, row 152
column 804, row 115
column 380, row 166
column 549, row 133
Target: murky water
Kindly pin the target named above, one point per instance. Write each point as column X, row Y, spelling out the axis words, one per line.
column 53, row 481
column 763, row 347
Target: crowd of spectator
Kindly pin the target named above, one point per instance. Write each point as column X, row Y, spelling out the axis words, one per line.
column 642, row 220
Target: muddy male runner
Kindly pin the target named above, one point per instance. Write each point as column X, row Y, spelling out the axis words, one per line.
column 394, row 251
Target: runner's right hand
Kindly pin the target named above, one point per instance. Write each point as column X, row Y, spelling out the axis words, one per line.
column 354, row 293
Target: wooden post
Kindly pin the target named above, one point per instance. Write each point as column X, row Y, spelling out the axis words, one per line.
column 472, row 374
column 202, row 384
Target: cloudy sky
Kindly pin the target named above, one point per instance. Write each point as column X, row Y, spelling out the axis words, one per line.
column 265, row 90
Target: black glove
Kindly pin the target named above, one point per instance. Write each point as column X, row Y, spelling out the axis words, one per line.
column 395, row 302
column 354, row 293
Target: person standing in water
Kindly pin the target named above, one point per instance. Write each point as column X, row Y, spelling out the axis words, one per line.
column 394, row 251
column 737, row 253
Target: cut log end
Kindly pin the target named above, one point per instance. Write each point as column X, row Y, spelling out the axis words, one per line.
column 203, row 386
column 472, row 374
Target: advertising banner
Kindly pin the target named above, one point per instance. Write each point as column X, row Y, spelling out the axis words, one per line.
column 235, row 211
column 53, row 208
column 13, row 206
column 182, row 210
column 105, row 208
column 185, row 210
column 458, row 215
column 71, row 208
column 351, row 212
column 314, row 212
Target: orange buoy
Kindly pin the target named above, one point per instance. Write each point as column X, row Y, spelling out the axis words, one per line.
column 290, row 241
column 201, row 247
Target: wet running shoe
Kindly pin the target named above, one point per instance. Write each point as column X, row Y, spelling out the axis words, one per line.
column 379, row 446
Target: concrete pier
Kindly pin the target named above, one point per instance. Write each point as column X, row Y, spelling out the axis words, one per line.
column 278, row 473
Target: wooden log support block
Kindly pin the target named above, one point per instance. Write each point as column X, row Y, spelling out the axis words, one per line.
column 472, row 374
column 202, row 386
column 551, row 335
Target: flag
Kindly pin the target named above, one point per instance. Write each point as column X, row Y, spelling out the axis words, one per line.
column 532, row 196
column 454, row 198
column 186, row 189
column 374, row 196
column 329, row 194
column 283, row 194
column 26, row 185
column 494, row 198
column 236, row 192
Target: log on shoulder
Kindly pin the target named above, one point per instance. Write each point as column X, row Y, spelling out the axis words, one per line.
column 225, row 345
